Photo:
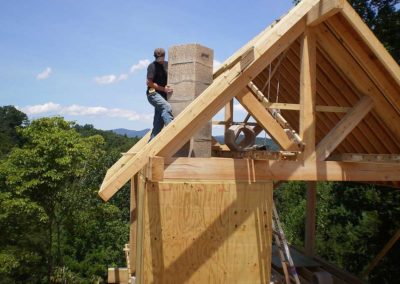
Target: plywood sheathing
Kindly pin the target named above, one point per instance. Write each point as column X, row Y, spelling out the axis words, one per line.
column 207, row 232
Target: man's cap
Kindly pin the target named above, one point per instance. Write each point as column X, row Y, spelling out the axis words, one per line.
column 159, row 54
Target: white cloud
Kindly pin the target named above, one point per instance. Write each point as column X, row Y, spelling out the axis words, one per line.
column 142, row 64
column 106, row 79
column 111, row 79
column 44, row 74
column 238, row 107
column 216, row 65
column 82, row 110
column 122, row 77
column 78, row 110
column 38, row 109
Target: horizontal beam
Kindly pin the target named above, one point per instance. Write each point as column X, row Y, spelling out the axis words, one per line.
column 249, row 170
column 287, row 106
column 369, row 158
column 332, row 109
column 258, row 155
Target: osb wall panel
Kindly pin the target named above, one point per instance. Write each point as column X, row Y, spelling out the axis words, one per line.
column 207, row 233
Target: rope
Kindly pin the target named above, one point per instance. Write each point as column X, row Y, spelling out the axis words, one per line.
column 269, row 80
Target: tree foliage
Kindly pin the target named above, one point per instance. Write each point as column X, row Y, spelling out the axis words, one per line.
column 10, row 119
column 354, row 222
column 55, row 229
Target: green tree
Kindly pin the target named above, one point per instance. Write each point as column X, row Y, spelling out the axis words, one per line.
column 22, row 245
column 354, row 222
column 52, row 161
column 56, row 228
column 10, row 119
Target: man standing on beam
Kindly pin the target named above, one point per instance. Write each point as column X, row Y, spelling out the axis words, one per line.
column 157, row 91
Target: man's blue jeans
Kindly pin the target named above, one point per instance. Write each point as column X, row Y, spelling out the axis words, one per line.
column 162, row 113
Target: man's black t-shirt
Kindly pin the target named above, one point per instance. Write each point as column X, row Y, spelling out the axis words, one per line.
column 158, row 73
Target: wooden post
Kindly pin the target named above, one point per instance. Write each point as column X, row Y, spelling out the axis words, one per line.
column 141, row 196
column 155, row 169
column 228, row 114
column 308, row 93
column 133, row 224
column 309, row 242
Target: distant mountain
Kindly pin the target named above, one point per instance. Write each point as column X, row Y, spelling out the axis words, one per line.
column 131, row 133
column 259, row 141
column 220, row 138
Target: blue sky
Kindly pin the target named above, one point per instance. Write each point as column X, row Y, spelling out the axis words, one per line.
column 86, row 60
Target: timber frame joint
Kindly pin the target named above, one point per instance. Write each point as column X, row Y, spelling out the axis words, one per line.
column 155, row 169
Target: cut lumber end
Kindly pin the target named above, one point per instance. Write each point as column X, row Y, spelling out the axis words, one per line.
column 118, row 275
column 324, row 10
column 155, row 169
column 103, row 195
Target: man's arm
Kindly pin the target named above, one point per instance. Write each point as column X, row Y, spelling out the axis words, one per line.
column 151, row 84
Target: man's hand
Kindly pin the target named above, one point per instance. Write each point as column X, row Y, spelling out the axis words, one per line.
column 168, row 89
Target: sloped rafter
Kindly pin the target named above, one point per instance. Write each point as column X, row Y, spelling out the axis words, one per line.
column 264, row 48
column 352, row 71
column 369, row 132
column 371, row 40
column 286, row 127
column 334, row 89
column 365, row 137
column 343, row 128
column 367, row 60
column 265, row 119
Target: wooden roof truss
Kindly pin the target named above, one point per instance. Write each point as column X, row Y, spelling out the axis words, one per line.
column 339, row 101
